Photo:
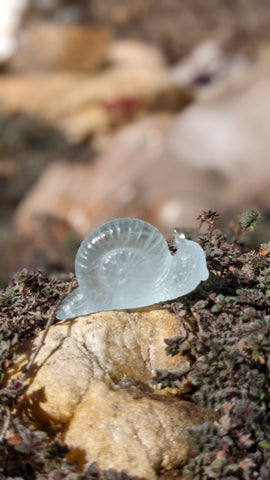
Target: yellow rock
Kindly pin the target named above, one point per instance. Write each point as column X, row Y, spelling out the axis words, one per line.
column 115, row 347
column 139, row 434
column 93, row 380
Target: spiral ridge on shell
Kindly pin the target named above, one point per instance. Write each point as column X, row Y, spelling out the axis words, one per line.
column 126, row 263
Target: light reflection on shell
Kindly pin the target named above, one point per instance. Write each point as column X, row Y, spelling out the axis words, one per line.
column 126, row 263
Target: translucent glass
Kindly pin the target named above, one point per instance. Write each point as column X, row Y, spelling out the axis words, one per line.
column 126, row 264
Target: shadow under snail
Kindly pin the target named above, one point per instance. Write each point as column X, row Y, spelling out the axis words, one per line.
column 126, row 263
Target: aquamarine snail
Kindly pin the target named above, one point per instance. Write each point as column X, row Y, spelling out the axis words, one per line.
column 126, row 263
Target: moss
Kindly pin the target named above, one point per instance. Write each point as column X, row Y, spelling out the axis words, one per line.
column 227, row 322
column 231, row 352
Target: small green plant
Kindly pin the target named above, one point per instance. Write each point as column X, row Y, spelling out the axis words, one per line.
column 231, row 360
column 248, row 220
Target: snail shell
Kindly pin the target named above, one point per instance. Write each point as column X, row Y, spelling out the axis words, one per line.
column 126, row 263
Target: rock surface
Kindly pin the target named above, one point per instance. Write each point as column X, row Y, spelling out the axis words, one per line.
column 115, row 347
column 92, row 379
column 150, row 432
column 54, row 47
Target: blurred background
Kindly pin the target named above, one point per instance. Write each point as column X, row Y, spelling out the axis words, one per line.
column 157, row 109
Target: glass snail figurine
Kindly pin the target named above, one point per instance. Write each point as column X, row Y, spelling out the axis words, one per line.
column 126, row 263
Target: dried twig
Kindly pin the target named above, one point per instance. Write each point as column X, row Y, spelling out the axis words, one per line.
column 5, row 424
column 43, row 338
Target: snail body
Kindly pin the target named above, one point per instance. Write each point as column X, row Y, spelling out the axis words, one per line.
column 126, row 263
